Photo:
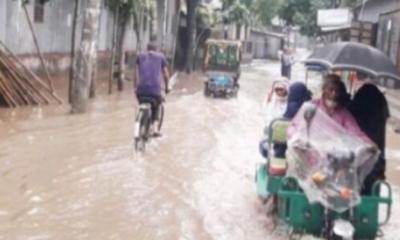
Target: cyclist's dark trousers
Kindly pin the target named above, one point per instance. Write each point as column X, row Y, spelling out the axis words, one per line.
column 155, row 103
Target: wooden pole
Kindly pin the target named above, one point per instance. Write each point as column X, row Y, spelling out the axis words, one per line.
column 37, row 47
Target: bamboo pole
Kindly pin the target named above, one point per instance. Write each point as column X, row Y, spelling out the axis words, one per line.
column 8, row 100
column 16, row 83
column 25, row 77
column 38, row 48
column 10, row 88
column 22, row 80
column 32, row 74
column 9, row 85
column 39, row 97
column 6, row 95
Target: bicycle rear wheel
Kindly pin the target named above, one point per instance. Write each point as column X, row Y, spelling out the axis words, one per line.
column 142, row 130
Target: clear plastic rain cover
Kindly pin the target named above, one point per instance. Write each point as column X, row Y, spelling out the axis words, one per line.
column 329, row 163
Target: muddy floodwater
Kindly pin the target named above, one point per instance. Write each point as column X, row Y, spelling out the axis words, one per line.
column 78, row 177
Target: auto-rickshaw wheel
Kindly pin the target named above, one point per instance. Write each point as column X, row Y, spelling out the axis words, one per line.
column 206, row 90
column 235, row 92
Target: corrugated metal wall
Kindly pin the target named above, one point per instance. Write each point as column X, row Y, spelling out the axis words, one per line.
column 389, row 35
column 373, row 8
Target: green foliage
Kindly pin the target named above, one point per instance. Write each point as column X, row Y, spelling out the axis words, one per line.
column 250, row 11
column 266, row 10
column 238, row 13
column 352, row 3
column 208, row 17
column 304, row 12
column 129, row 7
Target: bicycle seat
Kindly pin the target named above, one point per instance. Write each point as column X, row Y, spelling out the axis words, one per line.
column 148, row 100
column 145, row 105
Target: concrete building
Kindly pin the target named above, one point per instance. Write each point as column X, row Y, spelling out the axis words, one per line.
column 371, row 10
column 265, row 44
column 53, row 25
column 385, row 14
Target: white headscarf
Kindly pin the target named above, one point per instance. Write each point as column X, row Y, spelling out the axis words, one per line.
column 275, row 106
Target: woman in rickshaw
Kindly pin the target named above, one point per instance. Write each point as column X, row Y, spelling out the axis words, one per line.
column 276, row 101
column 370, row 108
column 334, row 102
column 297, row 94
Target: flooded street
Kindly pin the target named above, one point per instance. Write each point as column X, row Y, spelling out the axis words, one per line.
column 78, row 177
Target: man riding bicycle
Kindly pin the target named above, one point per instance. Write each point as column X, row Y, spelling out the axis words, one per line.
column 151, row 66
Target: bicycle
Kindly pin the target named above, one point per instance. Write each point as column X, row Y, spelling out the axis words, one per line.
column 143, row 122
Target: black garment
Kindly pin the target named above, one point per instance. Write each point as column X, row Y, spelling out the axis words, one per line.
column 155, row 101
column 298, row 94
column 370, row 108
column 286, row 71
column 286, row 66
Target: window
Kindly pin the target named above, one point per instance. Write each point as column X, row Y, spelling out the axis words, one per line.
column 38, row 11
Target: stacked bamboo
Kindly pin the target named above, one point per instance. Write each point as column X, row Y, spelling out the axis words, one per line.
column 19, row 86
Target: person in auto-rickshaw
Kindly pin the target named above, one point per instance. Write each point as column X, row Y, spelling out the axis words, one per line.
column 370, row 108
column 276, row 101
column 297, row 95
column 334, row 102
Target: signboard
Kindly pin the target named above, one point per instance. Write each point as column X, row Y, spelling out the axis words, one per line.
column 212, row 3
column 334, row 18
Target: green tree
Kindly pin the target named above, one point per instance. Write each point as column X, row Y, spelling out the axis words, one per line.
column 304, row 12
column 239, row 14
column 85, row 58
column 123, row 11
column 191, row 18
column 265, row 10
column 249, row 12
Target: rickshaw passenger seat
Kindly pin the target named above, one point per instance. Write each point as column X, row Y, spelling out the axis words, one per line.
column 278, row 135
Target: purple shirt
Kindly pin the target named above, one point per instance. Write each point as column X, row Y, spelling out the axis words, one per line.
column 150, row 67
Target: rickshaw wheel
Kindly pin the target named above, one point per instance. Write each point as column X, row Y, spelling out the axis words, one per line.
column 294, row 236
column 235, row 93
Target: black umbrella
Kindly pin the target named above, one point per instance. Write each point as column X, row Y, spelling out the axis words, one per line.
column 355, row 57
